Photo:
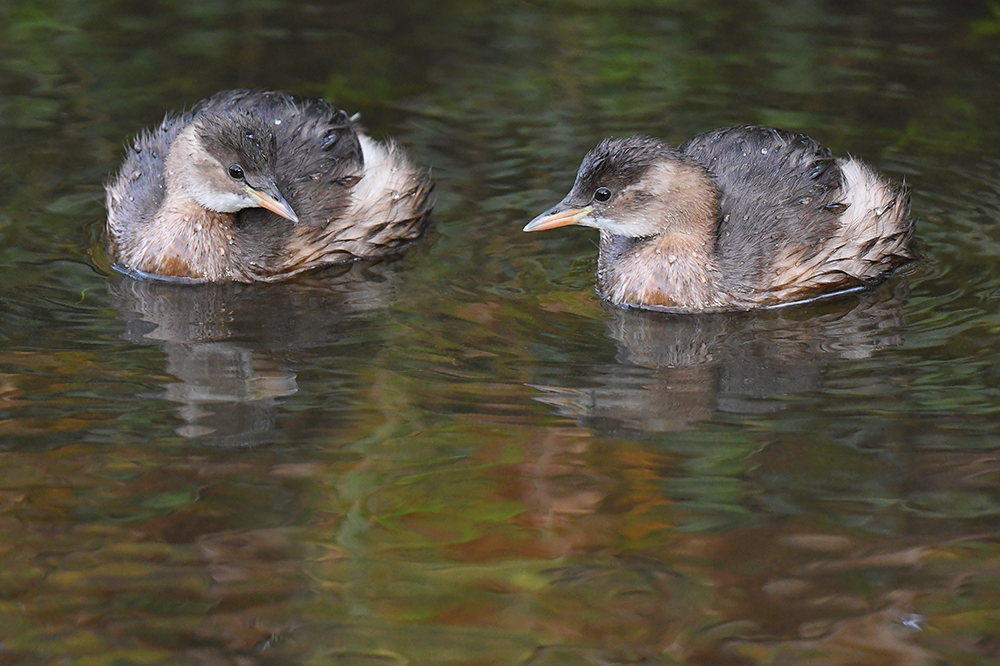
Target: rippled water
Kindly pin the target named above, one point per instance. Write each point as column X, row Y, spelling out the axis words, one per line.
column 462, row 456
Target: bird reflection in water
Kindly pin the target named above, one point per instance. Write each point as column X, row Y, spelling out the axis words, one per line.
column 675, row 370
column 226, row 343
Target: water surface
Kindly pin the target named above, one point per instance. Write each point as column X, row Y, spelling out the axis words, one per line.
column 461, row 456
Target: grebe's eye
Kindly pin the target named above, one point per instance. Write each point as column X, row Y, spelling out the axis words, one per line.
column 236, row 172
column 602, row 194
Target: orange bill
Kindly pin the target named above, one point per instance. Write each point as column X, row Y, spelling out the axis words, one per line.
column 552, row 218
column 274, row 203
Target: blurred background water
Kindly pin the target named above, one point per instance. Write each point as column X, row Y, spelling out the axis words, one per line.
column 462, row 456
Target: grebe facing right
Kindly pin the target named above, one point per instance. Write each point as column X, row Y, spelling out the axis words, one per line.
column 735, row 218
column 255, row 185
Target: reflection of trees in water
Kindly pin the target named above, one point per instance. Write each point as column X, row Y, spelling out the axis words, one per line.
column 676, row 370
column 242, row 577
column 849, row 576
column 225, row 342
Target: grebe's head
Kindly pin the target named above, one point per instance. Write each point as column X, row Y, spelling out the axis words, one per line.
column 636, row 186
column 226, row 162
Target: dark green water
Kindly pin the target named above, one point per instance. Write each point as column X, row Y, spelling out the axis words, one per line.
column 462, row 456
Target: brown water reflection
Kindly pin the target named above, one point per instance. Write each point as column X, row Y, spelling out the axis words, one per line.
column 577, row 552
column 149, row 566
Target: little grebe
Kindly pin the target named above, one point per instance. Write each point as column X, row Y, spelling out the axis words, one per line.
column 254, row 185
column 735, row 218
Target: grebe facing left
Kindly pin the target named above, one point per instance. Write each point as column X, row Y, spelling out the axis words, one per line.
column 735, row 218
column 254, row 185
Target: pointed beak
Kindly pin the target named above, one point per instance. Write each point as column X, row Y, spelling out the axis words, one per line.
column 554, row 217
column 273, row 202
